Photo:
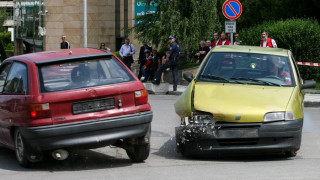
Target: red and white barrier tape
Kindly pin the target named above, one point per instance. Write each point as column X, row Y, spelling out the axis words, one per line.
column 308, row 64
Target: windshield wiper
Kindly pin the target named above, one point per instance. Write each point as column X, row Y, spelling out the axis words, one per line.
column 214, row 77
column 257, row 80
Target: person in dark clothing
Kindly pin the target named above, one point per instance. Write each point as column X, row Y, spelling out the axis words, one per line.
column 172, row 62
column 146, row 68
column 142, row 57
column 203, row 51
column 155, row 66
column 64, row 44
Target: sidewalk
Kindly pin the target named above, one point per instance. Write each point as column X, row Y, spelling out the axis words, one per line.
column 311, row 98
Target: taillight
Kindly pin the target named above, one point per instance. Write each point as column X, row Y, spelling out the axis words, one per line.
column 141, row 97
column 38, row 111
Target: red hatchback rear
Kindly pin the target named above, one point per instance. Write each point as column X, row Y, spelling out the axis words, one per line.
column 83, row 98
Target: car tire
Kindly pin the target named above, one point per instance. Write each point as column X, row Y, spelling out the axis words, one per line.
column 291, row 153
column 20, row 149
column 140, row 150
column 139, row 153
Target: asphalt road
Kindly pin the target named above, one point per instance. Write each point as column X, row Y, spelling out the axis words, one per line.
column 165, row 163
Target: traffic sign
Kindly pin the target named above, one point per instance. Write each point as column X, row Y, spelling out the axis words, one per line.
column 232, row 9
column 230, row 26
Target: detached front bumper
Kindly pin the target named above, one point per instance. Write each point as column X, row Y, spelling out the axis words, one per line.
column 90, row 133
column 260, row 137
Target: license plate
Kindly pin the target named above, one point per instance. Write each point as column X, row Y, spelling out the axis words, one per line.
column 238, row 133
column 93, row 106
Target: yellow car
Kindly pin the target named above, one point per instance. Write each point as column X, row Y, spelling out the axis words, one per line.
column 242, row 99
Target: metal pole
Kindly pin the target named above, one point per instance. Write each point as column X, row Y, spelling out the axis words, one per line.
column 231, row 38
column 84, row 23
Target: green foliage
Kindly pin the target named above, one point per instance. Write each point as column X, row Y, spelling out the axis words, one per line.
column 189, row 21
column 5, row 44
column 9, row 50
column 3, row 17
column 118, row 55
column 257, row 11
column 301, row 36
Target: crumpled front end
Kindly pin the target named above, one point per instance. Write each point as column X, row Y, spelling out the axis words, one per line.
column 224, row 118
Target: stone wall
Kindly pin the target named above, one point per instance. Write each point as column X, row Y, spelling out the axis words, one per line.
column 66, row 18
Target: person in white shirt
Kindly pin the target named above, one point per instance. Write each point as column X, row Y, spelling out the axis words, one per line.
column 237, row 40
column 126, row 52
column 267, row 42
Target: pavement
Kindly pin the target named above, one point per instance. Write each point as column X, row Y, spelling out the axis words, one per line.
column 311, row 98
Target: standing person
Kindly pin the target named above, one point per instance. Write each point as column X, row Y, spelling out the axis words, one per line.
column 64, row 44
column 126, row 52
column 163, row 61
column 172, row 62
column 237, row 40
column 203, row 50
column 223, row 41
column 229, row 36
column 142, row 57
column 216, row 40
column 208, row 43
column 267, row 42
column 103, row 47
column 155, row 66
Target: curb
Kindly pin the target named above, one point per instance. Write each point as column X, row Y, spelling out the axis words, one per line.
column 311, row 104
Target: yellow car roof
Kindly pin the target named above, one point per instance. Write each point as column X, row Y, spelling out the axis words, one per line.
column 251, row 49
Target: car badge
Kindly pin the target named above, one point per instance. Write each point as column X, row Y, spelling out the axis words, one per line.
column 238, row 117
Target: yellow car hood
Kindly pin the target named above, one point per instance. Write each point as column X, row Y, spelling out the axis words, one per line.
column 239, row 102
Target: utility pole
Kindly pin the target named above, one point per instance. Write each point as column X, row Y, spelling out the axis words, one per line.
column 85, row 23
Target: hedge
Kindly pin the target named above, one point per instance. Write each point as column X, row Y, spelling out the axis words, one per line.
column 6, row 46
column 301, row 36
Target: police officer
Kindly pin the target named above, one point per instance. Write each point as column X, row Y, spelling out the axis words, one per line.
column 171, row 62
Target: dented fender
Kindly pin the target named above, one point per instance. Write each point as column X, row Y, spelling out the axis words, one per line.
column 184, row 104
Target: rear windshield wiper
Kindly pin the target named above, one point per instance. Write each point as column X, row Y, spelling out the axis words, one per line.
column 257, row 80
column 214, row 77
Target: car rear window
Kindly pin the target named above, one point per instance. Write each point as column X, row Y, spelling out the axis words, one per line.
column 82, row 74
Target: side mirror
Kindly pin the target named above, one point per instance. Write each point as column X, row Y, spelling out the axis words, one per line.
column 188, row 76
column 308, row 84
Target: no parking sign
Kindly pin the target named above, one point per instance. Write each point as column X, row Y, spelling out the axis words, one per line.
column 232, row 9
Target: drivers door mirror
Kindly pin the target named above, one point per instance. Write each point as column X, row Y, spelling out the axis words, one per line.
column 308, row 84
column 188, row 76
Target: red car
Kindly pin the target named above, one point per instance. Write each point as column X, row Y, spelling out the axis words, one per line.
column 80, row 98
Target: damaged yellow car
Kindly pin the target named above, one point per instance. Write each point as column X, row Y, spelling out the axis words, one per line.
column 242, row 99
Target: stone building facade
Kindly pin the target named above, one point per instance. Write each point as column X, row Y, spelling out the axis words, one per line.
column 41, row 23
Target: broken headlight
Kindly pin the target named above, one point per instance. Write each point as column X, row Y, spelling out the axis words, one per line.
column 200, row 117
column 278, row 116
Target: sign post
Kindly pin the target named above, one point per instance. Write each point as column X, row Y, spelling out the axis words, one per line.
column 232, row 10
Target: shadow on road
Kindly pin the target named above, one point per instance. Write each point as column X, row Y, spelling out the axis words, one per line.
column 78, row 160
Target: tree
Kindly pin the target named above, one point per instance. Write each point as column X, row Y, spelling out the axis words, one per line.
column 293, row 34
column 257, row 11
column 3, row 18
column 189, row 21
